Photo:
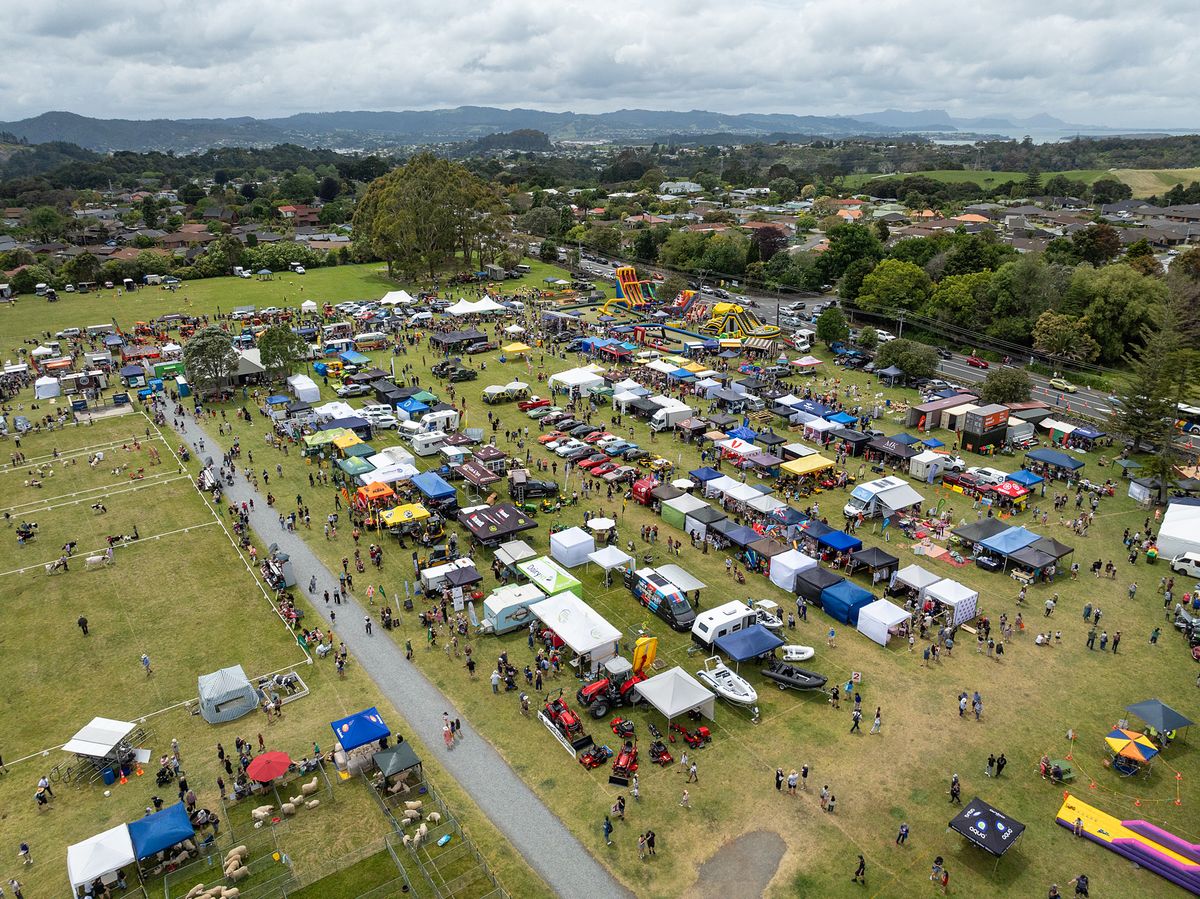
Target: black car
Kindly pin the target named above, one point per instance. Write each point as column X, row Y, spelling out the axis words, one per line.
column 482, row 346
column 583, row 431
column 553, row 418
column 464, row 374
column 944, row 354
column 634, row 454
column 566, row 424
column 538, row 489
column 580, row 454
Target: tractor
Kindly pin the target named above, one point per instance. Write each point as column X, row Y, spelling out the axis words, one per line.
column 567, row 723
column 625, row 765
column 613, row 690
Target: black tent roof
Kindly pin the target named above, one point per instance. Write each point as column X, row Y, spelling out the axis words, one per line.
column 1031, row 558
column 873, row 557
column 769, row 439
column 893, row 447
column 707, row 515
column 664, row 492
column 811, row 581
column 1052, row 547
column 987, row 827
column 1159, row 715
column 396, row 759
column 978, row 531
column 851, row 436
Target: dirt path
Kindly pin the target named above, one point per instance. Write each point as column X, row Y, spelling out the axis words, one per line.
column 742, row 868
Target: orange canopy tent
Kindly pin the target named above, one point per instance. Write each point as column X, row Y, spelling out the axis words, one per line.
column 375, row 492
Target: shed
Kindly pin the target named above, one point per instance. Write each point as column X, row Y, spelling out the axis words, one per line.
column 226, row 695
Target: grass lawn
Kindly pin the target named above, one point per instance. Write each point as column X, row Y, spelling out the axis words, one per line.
column 1143, row 182
column 1031, row 699
column 186, row 598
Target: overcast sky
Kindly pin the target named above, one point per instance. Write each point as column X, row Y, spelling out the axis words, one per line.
column 1116, row 63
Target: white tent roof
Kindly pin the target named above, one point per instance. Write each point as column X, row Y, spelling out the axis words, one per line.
column 397, row 298
column 786, row 565
column 742, row 493
column 799, row 450
column 308, row 306
column 675, row 692
column 514, row 329
column 487, row 304
column 927, row 457
column 41, row 351
column 917, row 577
column 720, row 485
column 820, row 424
column 99, row 737
column 738, row 447
column 99, row 855
column 874, row 620
column 951, row 592
column 661, row 366
column 901, row 497
column 610, row 557
column 680, row 578
column 462, row 307
column 627, row 384
column 1053, row 424
column 572, row 537
column 575, row 622
column 686, row 503
column 765, row 504
column 222, row 681
column 336, row 409
column 515, row 551
column 576, row 377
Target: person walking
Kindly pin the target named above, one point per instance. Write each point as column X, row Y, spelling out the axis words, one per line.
column 693, row 777
column 1154, row 636
column 804, row 769
column 650, row 842
column 1081, row 885
column 991, row 764
column 1116, row 641
column 878, row 723
column 642, row 846
column 902, row 836
column 146, row 665
column 367, row 624
column 1001, row 761
column 685, row 800
column 83, row 624
column 856, row 718
column 608, row 829
column 860, row 873
column 25, row 854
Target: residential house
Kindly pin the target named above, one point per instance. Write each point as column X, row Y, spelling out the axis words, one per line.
column 680, row 188
column 304, row 215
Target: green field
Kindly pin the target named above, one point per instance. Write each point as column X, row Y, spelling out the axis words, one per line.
column 1032, row 698
column 1143, row 182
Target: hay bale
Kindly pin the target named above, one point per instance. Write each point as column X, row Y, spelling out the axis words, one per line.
column 415, row 804
column 309, row 788
column 288, row 808
column 312, row 803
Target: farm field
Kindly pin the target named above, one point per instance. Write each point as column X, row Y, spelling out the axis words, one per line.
column 1143, row 182
column 1032, row 698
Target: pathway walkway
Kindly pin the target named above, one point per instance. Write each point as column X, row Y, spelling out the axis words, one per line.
column 534, row 831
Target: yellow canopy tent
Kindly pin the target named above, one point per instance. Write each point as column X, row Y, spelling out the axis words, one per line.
column 694, row 367
column 347, row 440
column 806, row 465
column 323, row 437
column 406, row 514
column 517, row 348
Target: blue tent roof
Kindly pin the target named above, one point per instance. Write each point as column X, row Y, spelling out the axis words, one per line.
column 432, row 485
column 351, row 422
column 1087, row 433
column 412, row 406
column 932, row 442
column 1025, row 478
column 743, row 433
column 743, row 536
column 812, row 407
column 160, row 831
column 132, row 371
column 681, row 374
column 1054, row 457
column 839, row 541
column 359, row 729
column 1008, row 542
column 705, row 474
column 841, row 418
column 749, row 643
column 817, row 528
column 278, row 399
column 114, row 340
column 906, row 439
column 350, row 357
column 843, row 601
column 789, row 516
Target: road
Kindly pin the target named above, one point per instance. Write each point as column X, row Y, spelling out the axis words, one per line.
column 1085, row 401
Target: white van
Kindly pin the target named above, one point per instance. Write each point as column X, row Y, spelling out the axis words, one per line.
column 1187, row 563
column 428, row 443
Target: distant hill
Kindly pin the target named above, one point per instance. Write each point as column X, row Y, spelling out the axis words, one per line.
column 365, row 129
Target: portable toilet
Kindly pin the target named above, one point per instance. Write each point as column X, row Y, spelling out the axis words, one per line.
column 181, row 385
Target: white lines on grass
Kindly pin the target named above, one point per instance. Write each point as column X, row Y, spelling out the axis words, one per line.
column 50, row 458
column 93, row 494
column 82, row 554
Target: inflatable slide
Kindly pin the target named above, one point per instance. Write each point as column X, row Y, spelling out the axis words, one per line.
column 1139, row 841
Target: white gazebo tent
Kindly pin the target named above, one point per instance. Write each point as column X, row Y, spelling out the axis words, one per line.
column 305, row 388
column 877, row 619
column 742, row 493
column 99, row 737
column 916, row 578
column 46, row 388
column 765, row 504
column 571, row 547
column 226, row 695
column 308, row 306
column 717, row 486
column 514, row 329
column 397, row 298
column 785, row 567
column 961, row 599
column 515, row 551
column 815, row 428
column 462, row 307
column 610, row 557
column 102, row 854
column 588, row 635
column 675, row 693
column 680, row 578
column 583, row 381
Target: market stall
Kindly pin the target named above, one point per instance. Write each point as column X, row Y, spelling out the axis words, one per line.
column 880, row 620
column 913, row 580
column 786, row 565
column 674, row 693
column 844, row 600
column 571, row 547
column 960, row 599
column 675, row 511
column 584, row 631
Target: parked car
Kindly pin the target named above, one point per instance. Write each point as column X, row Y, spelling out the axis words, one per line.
column 482, row 347
column 570, row 445
column 464, row 374
column 538, row 489
column 578, row 454
column 1063, row 384
column 596, row 438
column 353, row 390
column 599, row 471
column 534, row 402
column 621, row 474
column 382, row 420
column 543, row 412
column 634, row 454
column 551, row 437
column 585, row 430
column 593, row 460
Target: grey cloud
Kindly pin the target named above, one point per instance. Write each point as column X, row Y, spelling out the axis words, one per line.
column 1104, row 62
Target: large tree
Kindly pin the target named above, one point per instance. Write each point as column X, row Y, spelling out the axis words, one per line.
column 960, row 300
column 281, row 349
column 894, row 285
column 209, row 358
column 1006, row 385
column 1097, row 244
column 916, row 360
column 832, row 326
column 1065, row 337
column 847, row 243
column 1118, row 303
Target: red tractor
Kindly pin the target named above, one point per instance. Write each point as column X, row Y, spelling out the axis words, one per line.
column 625, row 765
column 613, row 690
column 558, row 715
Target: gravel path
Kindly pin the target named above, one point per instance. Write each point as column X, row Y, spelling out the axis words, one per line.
column 741, row 869
column 535, row 831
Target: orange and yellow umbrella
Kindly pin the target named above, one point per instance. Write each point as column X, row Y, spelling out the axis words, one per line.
column 1130, row 744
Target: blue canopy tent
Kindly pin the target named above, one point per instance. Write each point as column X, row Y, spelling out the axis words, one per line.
column 812, row 407
column 359, row 729
column 906, row 439
column 350, row 357
column 1009, row 541
column 278, row 399
column 1088, row 434
column 704, row 475
column 680, row 374
column 728, row 354
column 844, row 600
column 1025, row 478
column 839, row 541
column 433, row 488
column 160, row 831
column 114, row 340
column 816, row 528
column 1054, row 459
column 932, row 442
column 743, row 433
column 750, row 643
column 412, row 407
column 841, row 418
column 743, row 536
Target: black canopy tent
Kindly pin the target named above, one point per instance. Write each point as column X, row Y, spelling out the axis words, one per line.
column 875, row 560
column 1159, row 716
column 978, row 531
column 1052, row 547
column 889, row 446
column 396, row 759
column 987, row 827
column 664, row 492
column 811, row 582
column 496, row 524
column 854, row 440
column 1033, row 559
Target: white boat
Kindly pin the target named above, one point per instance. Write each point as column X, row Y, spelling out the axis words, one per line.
column 727, row 685
column 769, row 614
column 794, row 652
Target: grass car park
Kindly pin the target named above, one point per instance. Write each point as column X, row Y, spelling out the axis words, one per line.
column 1033, row 697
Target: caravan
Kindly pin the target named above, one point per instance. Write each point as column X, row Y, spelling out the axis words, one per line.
column 507, row 608
column 427, row 443
column 725, row 619
column 883, row 496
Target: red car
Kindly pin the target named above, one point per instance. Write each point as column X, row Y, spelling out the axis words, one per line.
column 551, row 437
column 597, row 437
column 976, row 362
column 593, row 461
column 534, row 402
column 599, row 471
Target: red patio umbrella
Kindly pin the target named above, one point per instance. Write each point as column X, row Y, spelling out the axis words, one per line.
column 268, row 766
